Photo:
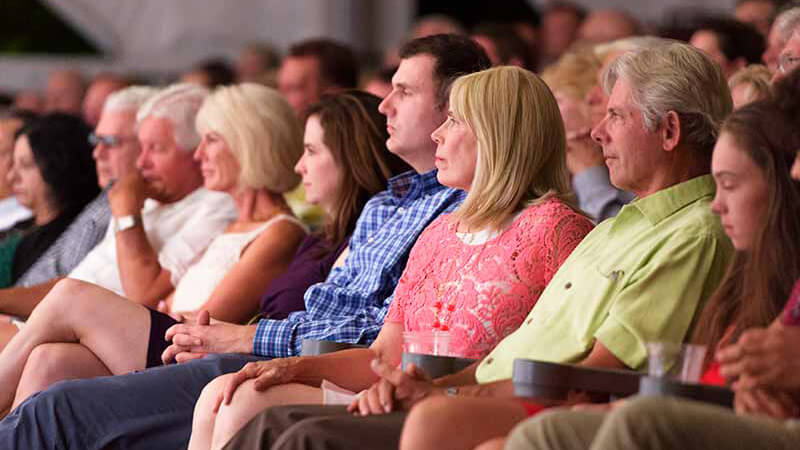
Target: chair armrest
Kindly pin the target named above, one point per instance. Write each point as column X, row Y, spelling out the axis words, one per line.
column 717, row 395
column 314, row 347
column 436, row 366
column 553, row 381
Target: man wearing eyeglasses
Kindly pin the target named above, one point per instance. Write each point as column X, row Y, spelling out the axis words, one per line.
column 116, row 149
column 789, row 58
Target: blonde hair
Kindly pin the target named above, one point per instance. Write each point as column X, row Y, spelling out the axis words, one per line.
column 575, row 72
column 756, row 78
column 261, row 130
column 676, row 77
column 521, row 143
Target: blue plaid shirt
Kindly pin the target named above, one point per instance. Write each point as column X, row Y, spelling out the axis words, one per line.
column 351, row 304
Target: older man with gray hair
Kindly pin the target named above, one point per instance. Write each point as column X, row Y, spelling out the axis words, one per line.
column 115, row 153
column 636, row 278
column 162, row 217
column 785, row 25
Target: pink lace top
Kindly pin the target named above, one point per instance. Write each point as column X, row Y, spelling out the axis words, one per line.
column 481, row 293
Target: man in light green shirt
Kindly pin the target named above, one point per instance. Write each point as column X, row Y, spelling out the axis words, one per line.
column 641, row 276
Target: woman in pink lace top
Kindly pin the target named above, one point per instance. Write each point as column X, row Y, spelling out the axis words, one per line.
column 475, row 272
column 481, row 291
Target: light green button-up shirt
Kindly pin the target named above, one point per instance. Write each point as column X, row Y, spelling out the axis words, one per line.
column 638, row 277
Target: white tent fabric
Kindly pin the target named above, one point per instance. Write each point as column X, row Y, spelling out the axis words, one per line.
column 158, row 36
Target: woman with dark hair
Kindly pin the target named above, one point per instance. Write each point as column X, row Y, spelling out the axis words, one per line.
column 53, row 175
column 749, row 339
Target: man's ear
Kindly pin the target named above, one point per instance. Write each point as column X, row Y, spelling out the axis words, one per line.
column 670, row 131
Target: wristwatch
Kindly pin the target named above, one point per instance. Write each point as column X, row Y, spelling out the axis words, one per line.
column 125, row 222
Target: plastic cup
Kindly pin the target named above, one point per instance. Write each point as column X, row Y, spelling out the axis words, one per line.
column 426, row 342
column 683, row 362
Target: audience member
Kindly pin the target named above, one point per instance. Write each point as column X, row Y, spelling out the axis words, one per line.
column 379, row 83
column 560, row 23
column 210, row 73
column 101, row 86
column 789, row 57
column 250, row 141
column 315, row 67
column 64, row 92
column 53, row 175
column 29, row 100
column 516, row 210
column 749, row 84
column 784, row 26
column 348, row 307
column 115, row 152
column 607, row 25
column 758, row 13
column 636, row 278
column 757, row 202
column 503, row 45
column 571, row 79
column 435, row 24
column 731, row 44
column 255, row 62
column 11, row 211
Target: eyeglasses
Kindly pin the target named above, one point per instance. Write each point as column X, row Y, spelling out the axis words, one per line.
column 787, row 63
column 109, row 140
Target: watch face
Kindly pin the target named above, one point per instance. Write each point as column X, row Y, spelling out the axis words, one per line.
column 125, row 222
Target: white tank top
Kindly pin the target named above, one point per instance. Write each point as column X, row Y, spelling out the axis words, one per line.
column 200, row 280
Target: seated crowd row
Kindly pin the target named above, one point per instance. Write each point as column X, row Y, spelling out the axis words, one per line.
column 448, row 207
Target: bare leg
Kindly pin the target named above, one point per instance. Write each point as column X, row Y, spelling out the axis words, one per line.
column 49, row 363
column 459, row 422
column 210, row 430
column 112, row 327
column 7, row 331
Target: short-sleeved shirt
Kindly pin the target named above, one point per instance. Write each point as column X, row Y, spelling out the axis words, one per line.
column 179, row 232
column 638, row 277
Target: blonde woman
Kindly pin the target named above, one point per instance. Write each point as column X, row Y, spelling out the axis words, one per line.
column 250, row 143
column 475, row 273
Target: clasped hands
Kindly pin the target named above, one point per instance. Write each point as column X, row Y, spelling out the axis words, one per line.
column 765, row 364
column 198, row 335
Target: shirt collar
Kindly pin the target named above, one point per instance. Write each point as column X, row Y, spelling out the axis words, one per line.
column 662, row 204
column 414, row 184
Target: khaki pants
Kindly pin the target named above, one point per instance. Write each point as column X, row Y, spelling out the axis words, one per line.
column 318, row 427
column 653, row 423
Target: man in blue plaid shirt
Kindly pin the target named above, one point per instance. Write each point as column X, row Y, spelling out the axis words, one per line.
column 153, row 408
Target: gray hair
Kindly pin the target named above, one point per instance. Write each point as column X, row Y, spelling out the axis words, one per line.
column 787, row 23
column 179, row 104
column 676, row 77
column 132, row 97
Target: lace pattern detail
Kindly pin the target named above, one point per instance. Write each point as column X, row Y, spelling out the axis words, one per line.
column 492, row 286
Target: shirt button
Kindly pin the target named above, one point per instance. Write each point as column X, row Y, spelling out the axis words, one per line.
column 529, row 321
column 568, row 285
column 370, row 239
column 401, row 210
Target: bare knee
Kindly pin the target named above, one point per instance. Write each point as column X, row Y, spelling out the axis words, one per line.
column 46, row 365
column 427, row 424
column 65, row 297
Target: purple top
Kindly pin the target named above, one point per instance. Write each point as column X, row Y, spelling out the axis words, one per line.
column 791, row 314
column 285, row 293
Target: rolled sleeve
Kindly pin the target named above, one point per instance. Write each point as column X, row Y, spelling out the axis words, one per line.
column 275, row 339
column 661, row 299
